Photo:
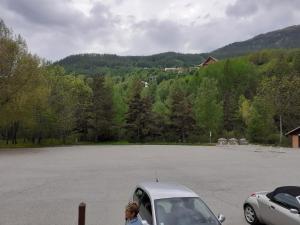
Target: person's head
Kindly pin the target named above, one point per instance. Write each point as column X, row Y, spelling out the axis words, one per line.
column 132, row 210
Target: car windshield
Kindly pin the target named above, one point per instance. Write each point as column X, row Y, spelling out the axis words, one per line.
column 183, row 211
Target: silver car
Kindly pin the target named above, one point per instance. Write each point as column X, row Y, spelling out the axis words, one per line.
column 279, row 207
column 172, row 204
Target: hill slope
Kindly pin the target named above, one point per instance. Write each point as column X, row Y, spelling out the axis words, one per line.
column 101, row 63
column 285, row 38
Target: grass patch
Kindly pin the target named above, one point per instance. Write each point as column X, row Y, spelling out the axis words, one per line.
column 55, row 143
column 58, row 143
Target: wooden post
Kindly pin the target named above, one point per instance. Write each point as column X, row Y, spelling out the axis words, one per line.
column 81, row 213
column 280, row 138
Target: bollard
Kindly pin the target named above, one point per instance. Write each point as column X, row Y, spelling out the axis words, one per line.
column 81, row 214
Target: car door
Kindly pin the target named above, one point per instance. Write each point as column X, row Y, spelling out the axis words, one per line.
column 138, row 194
column 137, row 197
column 144, row 201
column 146, row 209
column 280, row 207
column 266, row 211
column 276, row 211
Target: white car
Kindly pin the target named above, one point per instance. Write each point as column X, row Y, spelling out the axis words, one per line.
column 279, row 207
column 172, row 204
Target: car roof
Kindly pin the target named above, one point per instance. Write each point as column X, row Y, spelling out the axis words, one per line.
column 291, row 190
column 160, row 190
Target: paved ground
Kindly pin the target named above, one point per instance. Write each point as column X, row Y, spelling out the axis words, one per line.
column 45, row 186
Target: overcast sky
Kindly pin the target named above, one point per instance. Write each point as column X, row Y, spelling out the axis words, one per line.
column 55, row 29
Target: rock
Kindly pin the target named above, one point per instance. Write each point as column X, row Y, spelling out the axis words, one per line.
column 222, row 141
column 243, row 141
column 233, row 141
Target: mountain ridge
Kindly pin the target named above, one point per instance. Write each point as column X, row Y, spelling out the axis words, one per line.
column 93, row 63
column 288, row 37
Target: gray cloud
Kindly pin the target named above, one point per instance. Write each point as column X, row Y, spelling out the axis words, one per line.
column 48, row 13
column 162, row 34
column 56, row 28
column 242, row 8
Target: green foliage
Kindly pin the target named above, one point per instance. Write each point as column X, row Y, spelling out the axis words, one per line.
column 238, row 79
column 120, row 108
column 244, row 110
column 44, row 104
column 207, row 109
column 261, row 124
column 181, row 115
column 139, row 115
column 296, row 62
column 92, row 64
column 283, row 93
column 102, row 110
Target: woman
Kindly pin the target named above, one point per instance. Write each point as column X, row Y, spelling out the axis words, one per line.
column 131, row 212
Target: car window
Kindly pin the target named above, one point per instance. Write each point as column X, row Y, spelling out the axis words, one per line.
column 183, row 211
column 146, row 209
column 287, row 201
column 201, row 207
column 269, row 195
column 138, row 194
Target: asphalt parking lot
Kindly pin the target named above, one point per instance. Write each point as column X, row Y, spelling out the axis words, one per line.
column 45, row 186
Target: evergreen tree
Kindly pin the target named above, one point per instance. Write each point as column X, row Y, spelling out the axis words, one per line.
column 120, row 108
column 161, row 121
column 102, row 110
column 147, row 118
column 229, row 106
column 139, row 115
column 82, row 112
column 181, row 115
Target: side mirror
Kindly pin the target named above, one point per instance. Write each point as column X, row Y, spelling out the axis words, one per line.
column 221, row 218
column 294, row 211
column 145, row 222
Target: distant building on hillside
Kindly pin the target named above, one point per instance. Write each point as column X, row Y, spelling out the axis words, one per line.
column 174, row 69
column 208, row 61
column 145, row 83
column 171, row 69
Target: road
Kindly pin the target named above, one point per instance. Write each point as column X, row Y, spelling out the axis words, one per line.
column 44, row 186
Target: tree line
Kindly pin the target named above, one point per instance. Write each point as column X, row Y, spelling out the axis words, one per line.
column 91, row 64
column 247, row 96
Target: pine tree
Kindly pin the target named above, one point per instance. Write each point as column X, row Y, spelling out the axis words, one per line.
column 229, row 108
column 139, row 123
column 181, row 115
column 102, row 110
column 133, row 120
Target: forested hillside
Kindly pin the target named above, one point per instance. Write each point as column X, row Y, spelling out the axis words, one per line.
column 286, row 38
column 113, row 64
column 238, row 97
column 119, row 65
